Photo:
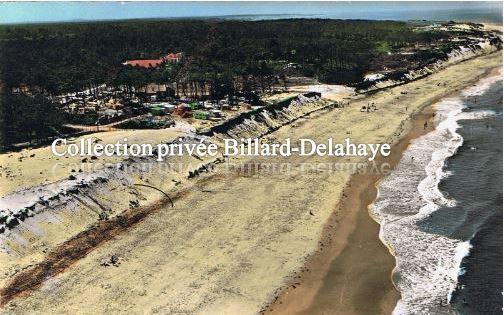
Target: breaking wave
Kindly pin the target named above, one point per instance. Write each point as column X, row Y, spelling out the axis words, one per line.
column 427, row 265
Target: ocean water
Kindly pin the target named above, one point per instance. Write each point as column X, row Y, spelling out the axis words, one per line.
column 30, row 12
column 459, row 15
column 440, row 210
column 480, row 199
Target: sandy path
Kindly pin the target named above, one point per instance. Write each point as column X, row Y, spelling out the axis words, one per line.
column 232, row 241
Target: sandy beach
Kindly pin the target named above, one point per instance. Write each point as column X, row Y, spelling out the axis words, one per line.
column 285, row 235
column 338, row 279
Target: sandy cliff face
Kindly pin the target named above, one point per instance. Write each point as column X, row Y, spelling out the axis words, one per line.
column 37, row 217
column 262, row 121
column 78, row 190
column 476, row 47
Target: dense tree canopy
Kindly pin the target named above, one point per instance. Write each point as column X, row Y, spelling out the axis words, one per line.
column 68, row 57
column 222, row 58
column 27, row 118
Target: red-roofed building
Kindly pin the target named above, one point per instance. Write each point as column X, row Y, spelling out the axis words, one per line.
column 154, row 63
column 174, row 57
column 145, row 63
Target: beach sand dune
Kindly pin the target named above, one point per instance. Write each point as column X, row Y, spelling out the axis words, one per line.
column 238, row 236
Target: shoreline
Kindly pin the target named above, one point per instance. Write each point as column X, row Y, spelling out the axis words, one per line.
column 437, row 108
column 358, row 195
column 357, row 198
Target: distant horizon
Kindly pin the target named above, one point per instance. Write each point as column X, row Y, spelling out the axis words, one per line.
column 81, row 12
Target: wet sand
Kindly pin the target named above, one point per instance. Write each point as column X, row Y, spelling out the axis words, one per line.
column 352, row 277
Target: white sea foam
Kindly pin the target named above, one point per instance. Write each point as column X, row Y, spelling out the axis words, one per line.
column 480, row 114
column 482, row 86
column 427, row 265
